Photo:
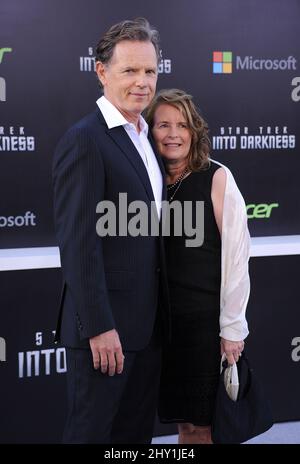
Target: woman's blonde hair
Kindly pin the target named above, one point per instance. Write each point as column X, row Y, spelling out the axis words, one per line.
column 198, row 157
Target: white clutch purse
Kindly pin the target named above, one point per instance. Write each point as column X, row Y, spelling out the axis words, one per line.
column 231, row 379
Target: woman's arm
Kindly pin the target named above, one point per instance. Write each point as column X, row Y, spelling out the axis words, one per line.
column 232, row 348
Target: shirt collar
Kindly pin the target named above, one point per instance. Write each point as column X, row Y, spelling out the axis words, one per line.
column 114, row 118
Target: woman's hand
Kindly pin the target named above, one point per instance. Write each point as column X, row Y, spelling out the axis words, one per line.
column 232, row 350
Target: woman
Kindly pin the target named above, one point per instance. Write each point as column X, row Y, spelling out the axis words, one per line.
column 209, row 285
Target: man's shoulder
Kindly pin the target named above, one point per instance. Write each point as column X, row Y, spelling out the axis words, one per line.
column 89, row 121
column 85, row 129
column 80, row 135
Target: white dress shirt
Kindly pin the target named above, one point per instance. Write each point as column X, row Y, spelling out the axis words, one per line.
column 114, row 118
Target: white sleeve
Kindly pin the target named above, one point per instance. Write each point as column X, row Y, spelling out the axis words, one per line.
column 235, row 282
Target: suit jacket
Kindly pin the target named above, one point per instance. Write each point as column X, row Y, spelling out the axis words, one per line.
column 113, row 281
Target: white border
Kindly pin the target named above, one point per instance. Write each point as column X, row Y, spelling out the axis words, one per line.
column 275, row 246
column 16, row 259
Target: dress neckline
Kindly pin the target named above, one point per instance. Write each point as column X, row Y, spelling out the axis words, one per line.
column 185, row 177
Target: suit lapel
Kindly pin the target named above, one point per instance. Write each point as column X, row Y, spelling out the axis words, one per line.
column 122, row 139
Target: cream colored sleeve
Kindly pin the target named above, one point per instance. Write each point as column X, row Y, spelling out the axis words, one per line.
column 235, row 282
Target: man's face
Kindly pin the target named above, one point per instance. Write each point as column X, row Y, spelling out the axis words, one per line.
column 129, row 79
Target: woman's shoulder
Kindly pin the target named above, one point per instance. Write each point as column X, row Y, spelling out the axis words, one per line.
column 223, row 172
column 219, row 180
column 213, row 170
column 224, row 179
column 217, row 166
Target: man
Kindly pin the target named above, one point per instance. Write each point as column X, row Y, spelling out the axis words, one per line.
column 111, row 311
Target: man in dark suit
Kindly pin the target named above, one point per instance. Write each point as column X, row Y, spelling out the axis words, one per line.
column 113, row 303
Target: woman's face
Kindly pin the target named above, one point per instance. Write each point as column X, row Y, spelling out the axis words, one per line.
column 171, row 133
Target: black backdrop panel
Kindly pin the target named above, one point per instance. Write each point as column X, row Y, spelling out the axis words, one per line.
column 33, row 389
column 47, row 83
column 274, row 322
column 47, row 71
column 33, row 397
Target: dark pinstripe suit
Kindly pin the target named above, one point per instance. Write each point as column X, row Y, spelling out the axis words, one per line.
column 109, row 282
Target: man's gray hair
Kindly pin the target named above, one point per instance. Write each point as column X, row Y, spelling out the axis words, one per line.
column 137, row 29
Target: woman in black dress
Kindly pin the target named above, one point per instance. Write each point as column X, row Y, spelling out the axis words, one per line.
column 208, row 284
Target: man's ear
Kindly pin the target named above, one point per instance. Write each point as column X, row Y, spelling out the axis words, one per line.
column 101, row 72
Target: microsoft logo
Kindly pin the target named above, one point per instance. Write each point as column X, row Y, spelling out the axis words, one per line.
column 222, row 62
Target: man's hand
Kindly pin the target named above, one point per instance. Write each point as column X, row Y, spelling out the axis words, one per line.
column 232, row 350
column 107, row 352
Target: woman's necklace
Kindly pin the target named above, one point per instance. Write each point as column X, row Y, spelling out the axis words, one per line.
column 177, row 184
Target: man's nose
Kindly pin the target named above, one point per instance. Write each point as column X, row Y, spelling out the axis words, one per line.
column 141, row 80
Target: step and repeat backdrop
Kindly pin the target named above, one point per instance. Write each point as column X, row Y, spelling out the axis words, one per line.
column 241, row 62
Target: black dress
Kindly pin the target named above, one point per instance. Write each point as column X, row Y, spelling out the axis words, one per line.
column 191, row 362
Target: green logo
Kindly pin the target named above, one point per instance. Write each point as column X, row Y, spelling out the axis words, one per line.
column 4, row 50
column 260, row 211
